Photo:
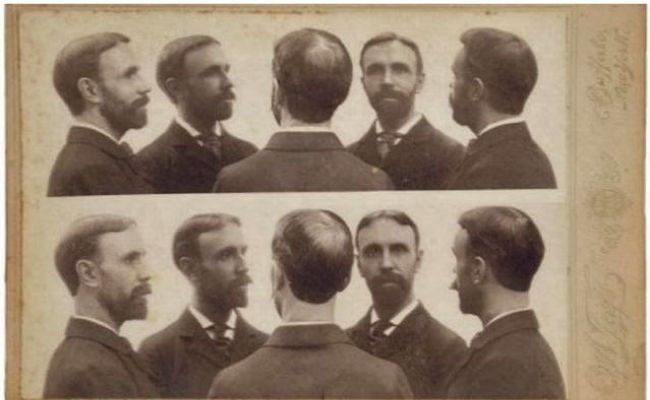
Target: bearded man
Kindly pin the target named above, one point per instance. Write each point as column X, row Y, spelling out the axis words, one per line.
column 101, row 260
column 99, row 80
column 401, row 141
column 211, row 334
column 193, row 72
column 398, row 328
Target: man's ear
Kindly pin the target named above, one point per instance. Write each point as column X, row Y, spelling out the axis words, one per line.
column 278, row 279
column 173, row 88
column 344, row 284
column 89, row 90
column 88, row 273
column 418, row 259
column 477, row 89
column 479, row 271
column 419, row 83
column 189, row 267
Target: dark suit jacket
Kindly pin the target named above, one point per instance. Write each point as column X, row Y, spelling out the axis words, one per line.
column 426, row 350
column 505, row 157
column 509, row 360
column 424, row 159
column 92, row 164
column 309, row 362
column 93, row 362
column 184, row 360
column 176, row 163
column 301, row 162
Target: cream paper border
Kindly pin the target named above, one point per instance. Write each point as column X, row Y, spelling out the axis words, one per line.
column 605, row 191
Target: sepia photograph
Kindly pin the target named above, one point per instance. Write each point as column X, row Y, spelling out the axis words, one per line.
column 325, row 201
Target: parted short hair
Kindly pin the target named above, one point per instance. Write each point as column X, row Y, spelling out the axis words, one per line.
column 399, row 217
column 505, row 64
column 80, row 59
column 186, row 238
column 389, row 37
column 509, row 241
column 171, row 61
column 314, row 70
column 79, row 242
column 313, row 248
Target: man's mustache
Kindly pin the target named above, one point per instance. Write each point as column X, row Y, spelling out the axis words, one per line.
column 141, row 102
column 388, row 278
column 141, row 290
column 390, row 94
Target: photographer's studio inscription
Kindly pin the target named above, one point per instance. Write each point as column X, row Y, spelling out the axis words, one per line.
column 608, row 59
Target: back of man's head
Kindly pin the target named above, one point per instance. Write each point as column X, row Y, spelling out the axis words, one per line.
column 314, row 72
column 508, row 240
column 80, row 241
column 505, row 64
column 80, row 59
column 313, row 248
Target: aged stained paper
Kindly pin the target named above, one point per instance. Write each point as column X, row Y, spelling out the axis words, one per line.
column 586, row 112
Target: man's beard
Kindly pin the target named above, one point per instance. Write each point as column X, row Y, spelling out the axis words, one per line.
column 389, row 290
column 133, row 307
column 470, row 300
column 121, row 116
column 462, row 110
column 219, row 108
column 233, row 296
column 392, row 105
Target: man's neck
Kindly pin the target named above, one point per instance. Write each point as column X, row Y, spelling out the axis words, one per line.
column 393, row 124
column 94, row 118
column 295, row 310
column 386, row 312
column 88, row 307
column 489, row 117
column 288, row 121
column 200, row 124
column 215, row 313
column 502, row 302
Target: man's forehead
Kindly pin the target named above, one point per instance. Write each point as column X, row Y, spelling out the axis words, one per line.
column 227, row 234
column 385, row 230
column 210, row 53
column 118, row 58
column 121, row 242
column 392, row 50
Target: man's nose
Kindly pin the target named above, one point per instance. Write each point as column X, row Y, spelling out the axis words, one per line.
column 388, row 78
column 387, row 262
column 143, row 272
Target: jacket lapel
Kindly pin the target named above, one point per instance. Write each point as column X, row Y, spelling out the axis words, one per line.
column 367, row 148
column 359, row 333
column 189, row 147
column 402, row 337
column 198, row 342
column 409, row 145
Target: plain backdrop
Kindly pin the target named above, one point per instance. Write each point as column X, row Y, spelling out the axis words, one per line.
column 248, row 39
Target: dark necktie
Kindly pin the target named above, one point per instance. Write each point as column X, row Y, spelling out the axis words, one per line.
column 219, row 335
column 377, row 332
column 386, row 141
column 212, row 142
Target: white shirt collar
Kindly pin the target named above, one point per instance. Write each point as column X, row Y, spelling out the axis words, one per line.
column 306, row 129
column 96, row 321
column 192, row 131
column 505, row 314
column 206, row 323
column 96, row 129
column 507, row 121
column 404, row 129
column 397, row 319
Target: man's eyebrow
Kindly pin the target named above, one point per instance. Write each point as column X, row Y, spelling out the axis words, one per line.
column 131, row 70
